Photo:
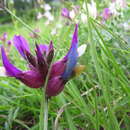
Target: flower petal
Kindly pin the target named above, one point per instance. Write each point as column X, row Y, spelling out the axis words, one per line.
column 9, row 42
column 65, row 13
column 4, row 37
column 31, row 59
column 81, row 50
column 50, row 53
column 72, row 56
column 78, row 70
column 21, row 45
column 58, row 68
column 43, row 48
column 74, row 42
column 11, row 70
column 32, row 78
column 55, row 86
column 23, row 48
column 106, row 13
column 2, row 72
column 42, row 64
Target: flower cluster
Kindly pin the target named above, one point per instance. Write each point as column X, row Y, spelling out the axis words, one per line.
column 114, row 9
column 47, row 13
column 91, row 7
column 61, row 71
column 70, row 14
column 4, row 37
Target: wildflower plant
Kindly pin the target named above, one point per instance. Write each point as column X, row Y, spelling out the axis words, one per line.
column 6, row 43
column 91, row 8
column 61, row 70
column 3, row 38
column 99, row 99
column 42, row 72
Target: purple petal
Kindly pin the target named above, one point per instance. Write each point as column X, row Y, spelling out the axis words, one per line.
column 106, row 13
column 74, row 42
column 44, row 55
column 58, row 68
column 55, row 86
column 4, row 37
column 31, row 59
column 10, row 68
column 43, row 48
column 23, row 48
column 50, row 53
column 50, row 46
column 9, row 42
column 42, row 65
column 21, row 45
column 32, row 78
column 65, row 13
column 72, row 56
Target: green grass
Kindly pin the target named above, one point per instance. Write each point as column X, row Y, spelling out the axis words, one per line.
column 98, row 99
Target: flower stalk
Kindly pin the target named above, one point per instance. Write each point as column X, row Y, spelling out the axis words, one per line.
column 42, row 72
column 44, row 104
column 44, row 112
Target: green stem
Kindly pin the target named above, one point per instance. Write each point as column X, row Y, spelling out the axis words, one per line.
column 41, row 124
column 44, row 105
column 45, row 113
column 22, row 22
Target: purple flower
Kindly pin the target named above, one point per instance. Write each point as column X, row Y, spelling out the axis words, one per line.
column 9, row 42
column 70, row 14
column 61, row 71
column 3, row 38
column 65, row 13
column 106, row 13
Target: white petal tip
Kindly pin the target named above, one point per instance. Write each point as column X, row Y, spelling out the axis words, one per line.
column 2, row 72
column 81, row 50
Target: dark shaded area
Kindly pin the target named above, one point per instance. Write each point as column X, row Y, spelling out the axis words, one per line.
column 4, row 17
column 21, row 7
